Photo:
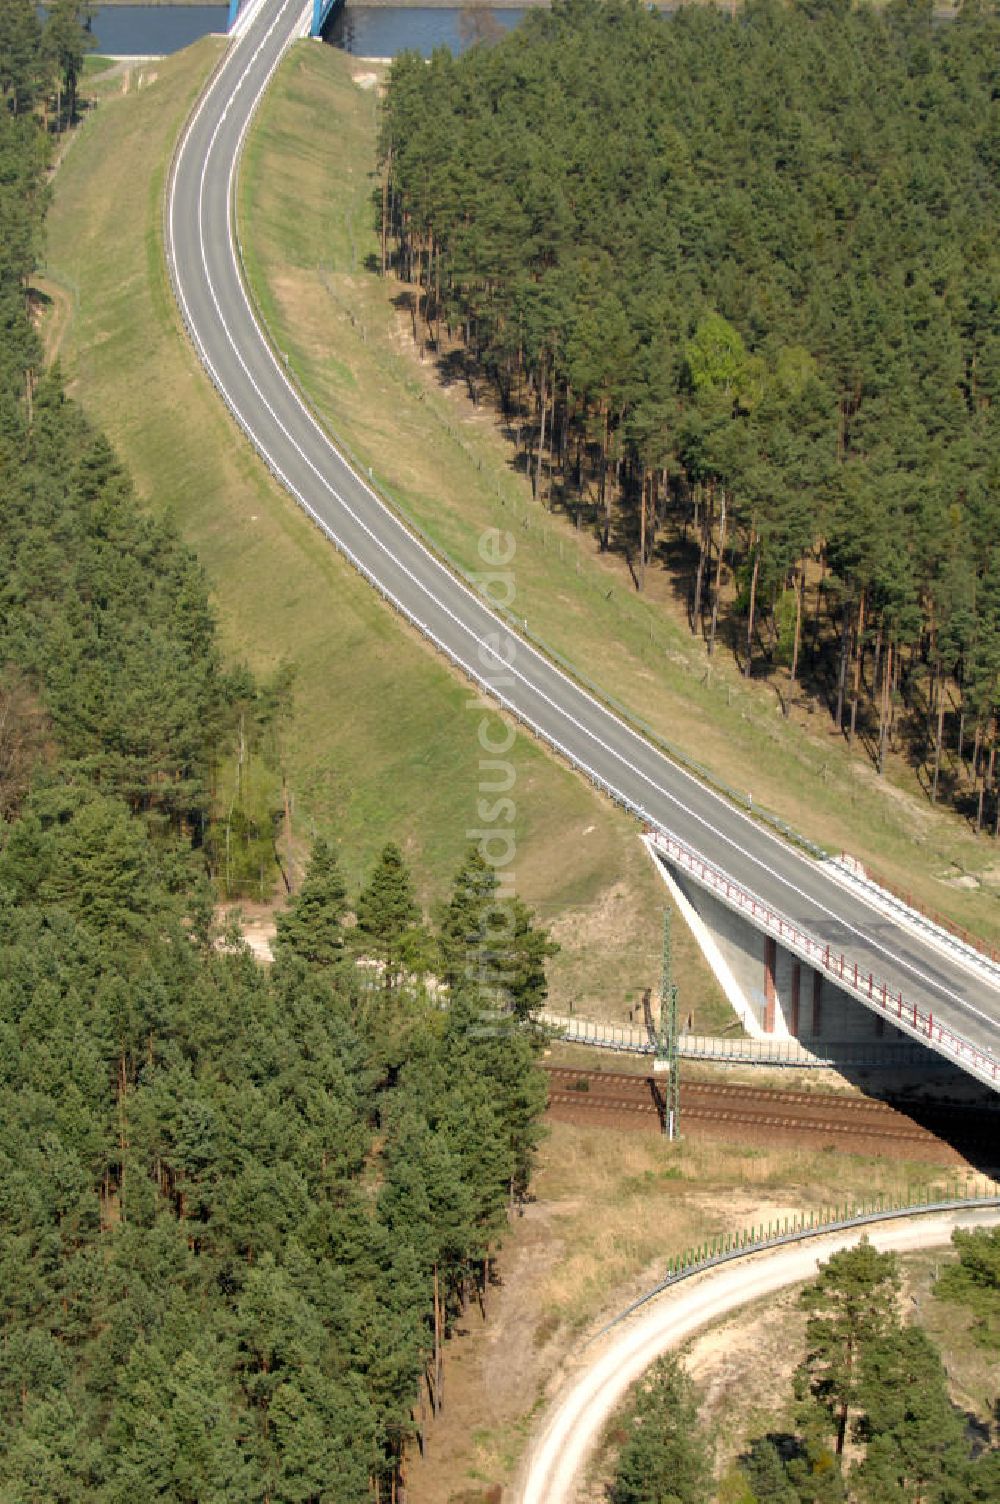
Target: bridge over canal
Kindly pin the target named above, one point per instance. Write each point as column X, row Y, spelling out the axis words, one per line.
column 315, row 14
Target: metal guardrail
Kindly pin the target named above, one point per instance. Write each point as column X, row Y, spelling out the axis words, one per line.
column 757, row 812
column 956, row 936
column 726, row 1247
column 867, row 988
column 605, row 1036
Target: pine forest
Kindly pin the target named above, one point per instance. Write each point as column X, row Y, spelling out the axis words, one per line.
column 733, row 280
column 240, row 1208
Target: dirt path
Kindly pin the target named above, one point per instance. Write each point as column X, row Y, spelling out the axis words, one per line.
column 573, row 1426
column 493, row 1370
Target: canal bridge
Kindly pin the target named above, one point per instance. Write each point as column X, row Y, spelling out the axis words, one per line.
column 315, row 14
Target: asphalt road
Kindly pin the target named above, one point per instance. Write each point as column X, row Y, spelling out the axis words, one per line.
column 571, row 1430
column 210, row 291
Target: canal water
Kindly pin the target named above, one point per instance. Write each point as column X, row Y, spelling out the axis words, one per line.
column 380, row 31
column 366, row 31
column 153, row 30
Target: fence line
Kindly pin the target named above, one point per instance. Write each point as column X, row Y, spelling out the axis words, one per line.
column 725, row 1247
column 784, row 1053
column 898, row 899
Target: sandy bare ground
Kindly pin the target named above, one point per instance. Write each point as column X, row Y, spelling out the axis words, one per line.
column 257, row 922
column 572, row 1427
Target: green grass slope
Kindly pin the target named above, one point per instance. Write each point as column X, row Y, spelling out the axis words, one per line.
column 382, row 743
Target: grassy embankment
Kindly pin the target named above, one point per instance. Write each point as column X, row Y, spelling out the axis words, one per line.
column 307, row 224
column 382, row 744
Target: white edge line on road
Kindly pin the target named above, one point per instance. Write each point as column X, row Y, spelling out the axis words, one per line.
column 929, row 931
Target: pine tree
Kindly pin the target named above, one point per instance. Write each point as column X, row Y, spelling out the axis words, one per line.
column 321, row 1434
column 488, row 1041
column 767, row 1475
column 53, row 1460
column 467, row 931
column 813, row 1469
column 389, row 919
column 174, row 1433
column 666, row 1458
column 851, row 1306
column 522, row 966
column 490, row 944
column 20, row 60
column 914, row 1438
column 984, row 1480
column 66, row 40
column 974, row 1281
column 312, row 926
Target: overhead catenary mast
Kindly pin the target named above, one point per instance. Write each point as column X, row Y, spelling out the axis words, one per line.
column 667, row 1059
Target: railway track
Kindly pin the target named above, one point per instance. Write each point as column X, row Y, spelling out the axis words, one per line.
column 950, row 1135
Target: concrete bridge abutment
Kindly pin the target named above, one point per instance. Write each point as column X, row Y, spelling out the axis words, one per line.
column 773, row 992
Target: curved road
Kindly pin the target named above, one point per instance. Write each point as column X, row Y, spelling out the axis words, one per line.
column 573, row 1427
column 208, row 284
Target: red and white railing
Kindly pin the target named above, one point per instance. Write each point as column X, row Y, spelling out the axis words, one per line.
column 847, row 974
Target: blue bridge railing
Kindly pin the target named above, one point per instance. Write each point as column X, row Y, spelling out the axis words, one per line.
column 322, row 10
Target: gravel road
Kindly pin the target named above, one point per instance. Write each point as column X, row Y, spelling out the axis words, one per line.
column 572, row 1426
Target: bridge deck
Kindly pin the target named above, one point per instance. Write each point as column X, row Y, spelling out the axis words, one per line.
column 841, row 966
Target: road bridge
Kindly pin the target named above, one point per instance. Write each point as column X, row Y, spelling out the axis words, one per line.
column 789, row 983
column 786, row 894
